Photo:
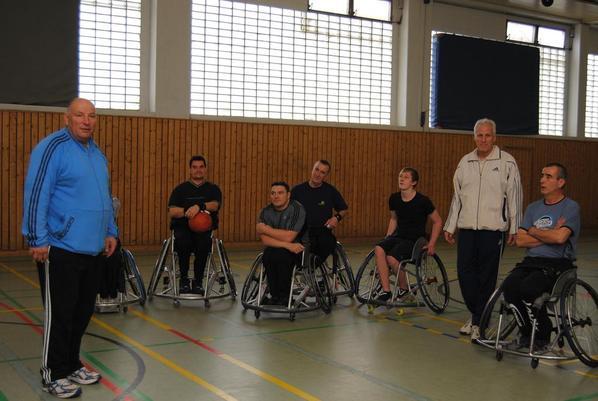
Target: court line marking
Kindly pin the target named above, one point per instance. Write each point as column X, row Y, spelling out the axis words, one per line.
column 165, row 361
column 266, row 376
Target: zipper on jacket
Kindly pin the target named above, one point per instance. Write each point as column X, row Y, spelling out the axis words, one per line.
column 477, row 214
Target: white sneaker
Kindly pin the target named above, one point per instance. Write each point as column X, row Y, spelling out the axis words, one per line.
column 466, row 328
column 62, row 388
column 475, row 333
column 84, row 376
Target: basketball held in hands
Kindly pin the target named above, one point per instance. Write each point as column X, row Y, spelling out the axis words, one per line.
column 201, row 222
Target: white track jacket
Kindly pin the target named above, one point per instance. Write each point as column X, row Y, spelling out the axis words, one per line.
column 488, row 194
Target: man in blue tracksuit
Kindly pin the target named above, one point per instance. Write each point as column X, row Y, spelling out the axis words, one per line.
column 68, row 221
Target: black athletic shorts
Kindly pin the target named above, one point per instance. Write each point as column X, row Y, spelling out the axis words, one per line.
column 399, row 248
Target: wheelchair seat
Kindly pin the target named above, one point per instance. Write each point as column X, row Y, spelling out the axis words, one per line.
column 219, row 280
column 425, row 274
column 572, row 306
column 130, row 288
column 309, row 290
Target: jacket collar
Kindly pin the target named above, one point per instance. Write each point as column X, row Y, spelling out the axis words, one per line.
column 494, row 155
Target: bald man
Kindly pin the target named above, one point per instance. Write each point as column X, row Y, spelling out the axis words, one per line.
column 69, row 224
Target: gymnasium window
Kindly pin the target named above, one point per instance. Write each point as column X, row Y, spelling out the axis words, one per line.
column 266, row 62
column 591, row 130
column 109, row 53
column 553, row 63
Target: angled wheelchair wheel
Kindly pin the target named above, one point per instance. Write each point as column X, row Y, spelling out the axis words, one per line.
column 319, row 281
column 133, row 277
column 159, row 266
column 579, row 314
column 343, row 282
column 226, row 266
column 494, row 312
column 367, row 282
column 433, row 282
column 251, row 288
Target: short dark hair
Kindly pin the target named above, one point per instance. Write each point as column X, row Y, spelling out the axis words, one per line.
column 562, row 173
column 413, row 172
column 281, row 184
column 325, row 162
column 199, row 158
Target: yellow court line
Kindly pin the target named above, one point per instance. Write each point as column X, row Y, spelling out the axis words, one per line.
column 138, row 345
column 593, row 376
column 20, row 275
column 182, row 371
column 272, row 379
column 235, row 264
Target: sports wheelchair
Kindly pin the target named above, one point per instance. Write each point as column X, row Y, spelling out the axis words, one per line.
column 425, row 275
column 309, row 291
column 340, row 274
column 219, row 281
column 129, row 284
column 573, row 309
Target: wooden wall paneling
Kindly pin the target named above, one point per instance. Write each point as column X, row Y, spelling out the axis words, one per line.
column 162, row 151
column 148, row 158
column 7, row 130
column 17, row 121
column 228, row 173
column 145, row 140
column 20, row 178
column 137, row 176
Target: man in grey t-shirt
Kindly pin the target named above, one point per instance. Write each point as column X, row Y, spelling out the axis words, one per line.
column 279, row 227
column 549, row 231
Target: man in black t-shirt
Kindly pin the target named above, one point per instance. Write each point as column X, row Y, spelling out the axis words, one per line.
column 409, row 212
column 325, row 208
column 194, row 196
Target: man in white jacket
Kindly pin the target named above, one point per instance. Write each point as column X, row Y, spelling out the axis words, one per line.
column 486, row 207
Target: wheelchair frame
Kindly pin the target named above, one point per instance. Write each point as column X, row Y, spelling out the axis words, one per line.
column 561, row 304
column 426, row 281
column 309, row 289
column 131, row 288
column 340, row 275
column 219, row 283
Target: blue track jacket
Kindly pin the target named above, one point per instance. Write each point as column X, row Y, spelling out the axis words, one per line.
column 67, row 196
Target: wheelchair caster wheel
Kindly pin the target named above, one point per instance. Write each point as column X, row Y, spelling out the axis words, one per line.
column 176, row 303
column 292, row 317
column 400, row 312
column 499, row 355
column 534, row 363
column 207, row 304
column 371, row 308
column 257, row 314
column 125, row 309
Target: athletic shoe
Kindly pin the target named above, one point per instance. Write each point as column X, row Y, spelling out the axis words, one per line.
column 384, row 296
column 62, row 388
column 197, row 290
column 466, row 328
column 184, row 287
column 475, row 333
column 84, row 376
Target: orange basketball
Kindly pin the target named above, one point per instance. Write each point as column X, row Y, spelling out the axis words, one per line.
column 201, row 223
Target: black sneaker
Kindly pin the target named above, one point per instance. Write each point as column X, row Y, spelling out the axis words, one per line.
column 402, row 292
column 184, row 287
column 197, row 289
column 384, row 296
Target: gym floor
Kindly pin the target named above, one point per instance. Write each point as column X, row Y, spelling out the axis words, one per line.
column 161, row 352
